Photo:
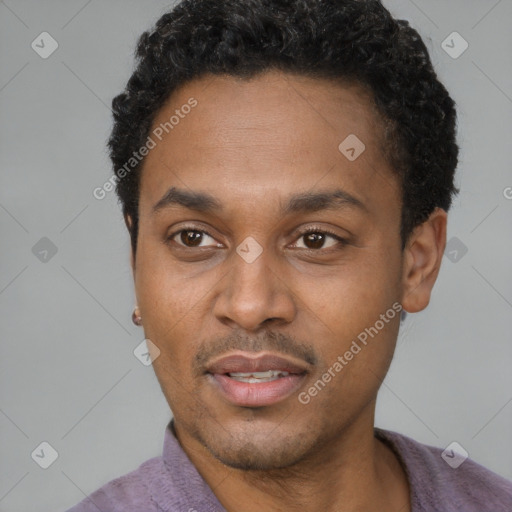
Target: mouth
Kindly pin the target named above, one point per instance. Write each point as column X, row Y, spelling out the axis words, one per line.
column 255, row 377
column 247, row 380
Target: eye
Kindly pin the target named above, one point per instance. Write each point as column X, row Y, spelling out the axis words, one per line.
column 190, row 237
column 314, row 239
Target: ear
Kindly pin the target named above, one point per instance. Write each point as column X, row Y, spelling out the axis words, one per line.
column 129, row 223
column 422, row 260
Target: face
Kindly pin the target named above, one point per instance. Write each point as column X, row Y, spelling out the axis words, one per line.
column 263, row 248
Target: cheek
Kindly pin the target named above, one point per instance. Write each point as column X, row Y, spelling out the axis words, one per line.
column 356, row 355
column 360, row 328
column 173, row 300
column 162, row 288
column 357, row 319
column 162, row 295
column 169, row 305
column 349, row 297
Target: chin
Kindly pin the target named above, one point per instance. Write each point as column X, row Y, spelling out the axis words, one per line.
column 249, row 448
column 253, row 457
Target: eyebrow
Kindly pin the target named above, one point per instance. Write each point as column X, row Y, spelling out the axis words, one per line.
column 306, row 202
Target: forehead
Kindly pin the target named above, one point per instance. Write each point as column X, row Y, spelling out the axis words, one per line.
column 274, row 132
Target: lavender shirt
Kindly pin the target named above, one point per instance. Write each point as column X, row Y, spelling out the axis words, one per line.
column 171, row 483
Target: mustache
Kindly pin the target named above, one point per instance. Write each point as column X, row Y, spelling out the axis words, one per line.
column 267, row 340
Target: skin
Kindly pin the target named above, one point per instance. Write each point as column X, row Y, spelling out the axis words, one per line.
column 251, row 144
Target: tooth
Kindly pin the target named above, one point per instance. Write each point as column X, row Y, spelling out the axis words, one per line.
column 259, row 375
column 252, row 380
column 264, row 375
column 254, row 377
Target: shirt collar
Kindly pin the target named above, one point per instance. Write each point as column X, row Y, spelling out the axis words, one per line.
column 178, row 485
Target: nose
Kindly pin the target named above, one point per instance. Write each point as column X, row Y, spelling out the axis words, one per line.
column 252, row 295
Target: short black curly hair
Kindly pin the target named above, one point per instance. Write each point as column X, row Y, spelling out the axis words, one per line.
column 356, row 40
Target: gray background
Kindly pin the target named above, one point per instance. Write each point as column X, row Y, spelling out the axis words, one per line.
column 68, row 373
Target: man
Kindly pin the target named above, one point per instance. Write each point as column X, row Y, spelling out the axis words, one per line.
column 285, row 171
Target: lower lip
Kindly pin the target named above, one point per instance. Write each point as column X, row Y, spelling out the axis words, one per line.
column 257, row 394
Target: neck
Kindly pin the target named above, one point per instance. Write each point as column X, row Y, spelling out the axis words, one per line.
column 354, row 471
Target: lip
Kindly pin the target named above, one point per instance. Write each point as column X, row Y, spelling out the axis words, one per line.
column 258, row 394
column 246, row 362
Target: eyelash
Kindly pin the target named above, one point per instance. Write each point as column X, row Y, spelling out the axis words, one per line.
column 323, row 231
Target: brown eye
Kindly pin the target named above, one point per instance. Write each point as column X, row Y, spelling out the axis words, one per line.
column 192, row 237
column 315, row 240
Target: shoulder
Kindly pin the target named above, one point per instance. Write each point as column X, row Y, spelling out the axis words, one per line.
column 167, row 482
column 449, row 480
column 127, row 493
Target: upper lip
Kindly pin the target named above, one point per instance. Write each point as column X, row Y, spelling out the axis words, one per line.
column 245, row 363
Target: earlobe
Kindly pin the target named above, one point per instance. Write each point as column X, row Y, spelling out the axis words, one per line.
column 422, row 261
